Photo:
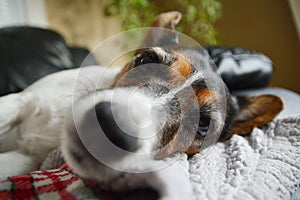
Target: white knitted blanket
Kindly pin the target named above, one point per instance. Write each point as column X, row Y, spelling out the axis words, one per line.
column 265, row 165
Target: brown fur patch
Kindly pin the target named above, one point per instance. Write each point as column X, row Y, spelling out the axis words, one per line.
column 169, row 145
column 182, row 66
column 207, row 96
column 194, row 148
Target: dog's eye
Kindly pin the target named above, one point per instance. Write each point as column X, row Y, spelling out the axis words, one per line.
column 147, row 57
column 203, row 126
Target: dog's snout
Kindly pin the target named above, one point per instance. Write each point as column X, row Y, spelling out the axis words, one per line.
column 111, row 129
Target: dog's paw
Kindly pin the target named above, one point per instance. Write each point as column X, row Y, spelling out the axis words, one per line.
column 15, row 163
column 14, row 108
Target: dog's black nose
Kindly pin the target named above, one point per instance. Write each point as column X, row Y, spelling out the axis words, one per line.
column 111, row 129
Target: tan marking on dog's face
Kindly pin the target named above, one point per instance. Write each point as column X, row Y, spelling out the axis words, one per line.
column 206, row 96
column 169, row 147
column 182, row 66
column 194, row 148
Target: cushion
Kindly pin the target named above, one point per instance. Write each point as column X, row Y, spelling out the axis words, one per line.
column 241, row 68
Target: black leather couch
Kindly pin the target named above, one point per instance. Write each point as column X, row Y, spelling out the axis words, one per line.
column 29, row 53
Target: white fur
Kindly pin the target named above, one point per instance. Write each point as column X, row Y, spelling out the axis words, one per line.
column 31, row 121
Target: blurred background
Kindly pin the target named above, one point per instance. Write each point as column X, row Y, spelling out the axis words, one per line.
column 267, row 26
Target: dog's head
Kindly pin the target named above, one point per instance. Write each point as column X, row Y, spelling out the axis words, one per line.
column 167, row 99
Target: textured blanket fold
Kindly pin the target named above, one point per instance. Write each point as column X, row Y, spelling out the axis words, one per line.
column 265, row 165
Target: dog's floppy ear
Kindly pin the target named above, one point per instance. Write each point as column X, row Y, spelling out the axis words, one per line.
column 167, row 20
column 161, row 37
column 255, row 112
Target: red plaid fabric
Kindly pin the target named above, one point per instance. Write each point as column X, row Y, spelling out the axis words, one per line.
column 59, row 183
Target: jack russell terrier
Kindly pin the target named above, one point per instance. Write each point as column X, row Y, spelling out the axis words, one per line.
column 182, row 106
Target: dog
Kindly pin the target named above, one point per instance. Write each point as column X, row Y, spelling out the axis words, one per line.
column 181, row 101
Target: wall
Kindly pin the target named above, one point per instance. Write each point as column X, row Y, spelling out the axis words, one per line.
column 268, row 27
column 23, row 12
column 295, row 7
column 36, row 13
column 82, row 22
column 265, row 26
